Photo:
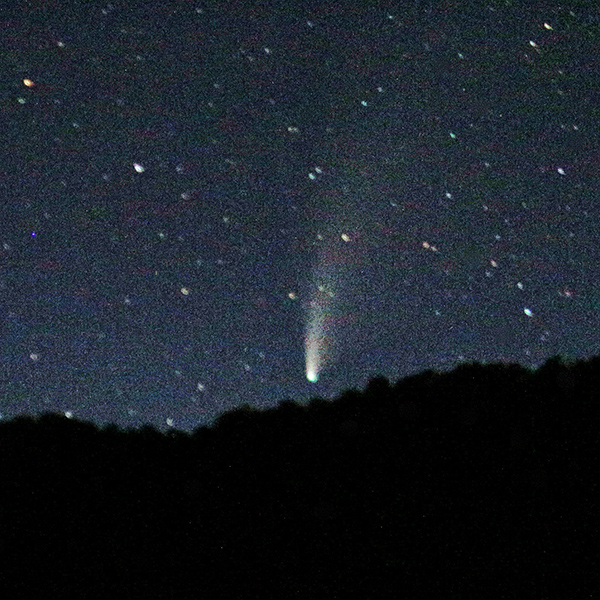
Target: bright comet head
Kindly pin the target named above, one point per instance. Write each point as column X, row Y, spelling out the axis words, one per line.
column 312, row 376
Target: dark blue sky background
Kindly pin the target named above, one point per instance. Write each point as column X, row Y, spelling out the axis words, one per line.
column 173, row 174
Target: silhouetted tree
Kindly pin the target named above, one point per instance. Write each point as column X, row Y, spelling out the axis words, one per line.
column 445, row 484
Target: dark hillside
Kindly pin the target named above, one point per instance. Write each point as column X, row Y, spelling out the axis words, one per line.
column 478, row 483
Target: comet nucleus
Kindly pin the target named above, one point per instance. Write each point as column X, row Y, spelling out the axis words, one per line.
column 312, row 376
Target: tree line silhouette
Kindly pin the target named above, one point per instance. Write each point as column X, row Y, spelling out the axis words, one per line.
column 479, row 482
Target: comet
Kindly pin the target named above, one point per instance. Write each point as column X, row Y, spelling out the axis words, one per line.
column 316, row 340
column 313, row 348
column 338, row 217
column 312, row 371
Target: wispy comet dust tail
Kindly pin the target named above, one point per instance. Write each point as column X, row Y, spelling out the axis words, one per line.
column 316, row 341
column 314, row 347
column 338, row 216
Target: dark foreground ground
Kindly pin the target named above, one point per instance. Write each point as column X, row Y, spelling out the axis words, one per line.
column 479, row 483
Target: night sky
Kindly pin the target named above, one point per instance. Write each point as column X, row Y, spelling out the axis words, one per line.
column 210, row 204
